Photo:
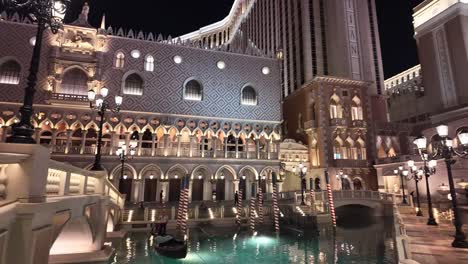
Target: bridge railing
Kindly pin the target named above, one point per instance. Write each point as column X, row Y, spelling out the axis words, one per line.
column 322, row 197
column 27, row 174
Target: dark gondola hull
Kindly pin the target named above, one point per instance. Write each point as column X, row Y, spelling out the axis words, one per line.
column 172, row 249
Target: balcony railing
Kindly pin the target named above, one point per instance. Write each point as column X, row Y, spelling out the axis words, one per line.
column 171, row 152
column 358, row 123
column 338, row 122
column 60, row 97
column 345, row 163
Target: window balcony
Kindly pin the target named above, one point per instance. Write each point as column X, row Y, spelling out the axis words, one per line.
column 346, row 163
column 335, row 122
column 359, row 124
column 61, row 98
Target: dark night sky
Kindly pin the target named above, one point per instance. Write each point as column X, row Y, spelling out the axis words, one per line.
column 176, row 17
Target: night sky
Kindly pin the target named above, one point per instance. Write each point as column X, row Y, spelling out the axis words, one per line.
column 176, row 17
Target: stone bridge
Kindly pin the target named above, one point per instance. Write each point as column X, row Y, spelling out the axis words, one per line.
column 53, row 212
column 380, row 203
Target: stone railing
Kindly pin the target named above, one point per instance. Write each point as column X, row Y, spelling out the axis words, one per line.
column 38, row 178
column 401, row 238
column 66, row 98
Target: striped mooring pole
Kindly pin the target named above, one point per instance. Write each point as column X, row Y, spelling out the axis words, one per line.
column 275, row 203
column 330, row 199
column 260, row 205
column 252, row 214
column 185, row 205
column 239, row 208
column 180, row 205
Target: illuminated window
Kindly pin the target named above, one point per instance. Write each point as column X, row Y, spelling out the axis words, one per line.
column 193, row 90
column 356, row 109
column 10, row 72
column 119, row 60
column 74, row 81
column 149, row 63
column 133, row 85
column 249, row 96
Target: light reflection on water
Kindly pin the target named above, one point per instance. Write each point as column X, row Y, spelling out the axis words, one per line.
column 371, row 244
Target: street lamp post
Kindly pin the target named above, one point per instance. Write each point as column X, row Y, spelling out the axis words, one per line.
column 429, row 169
column 402, row 173
column 444, row 149
column 416, row 175
column 302, row 173
column 122, row 152
column 101, row 105
column 46, row 13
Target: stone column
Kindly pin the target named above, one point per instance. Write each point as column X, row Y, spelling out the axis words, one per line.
column 127, row 139
column 153, row 144
column 112, row 143
column 69, row 143
column 236, row 185
column 165, row 189
column 225, row 147
column 257, row 148
column 190, row 190
column 83, row 141
column 237, row 147
column 247, row 148
column 268, row 149
column 166, row 144
column 202, row 146
column 4, row 134
column 215, row 142
column 54, row 136
column 207, row 190
column 191, row 146
column 140, row 142
column 178, row 145
column 37, row 134
column 280, row 186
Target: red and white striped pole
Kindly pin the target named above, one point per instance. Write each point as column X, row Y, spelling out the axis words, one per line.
column 180, row 205
column 252, row 214
column 260, row 205
column 275, row 207
column 239, row 208
column 185, row 206
column 330, row 199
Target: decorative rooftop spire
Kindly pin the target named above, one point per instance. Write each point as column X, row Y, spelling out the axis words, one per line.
column 103, row 21
column 82, row 20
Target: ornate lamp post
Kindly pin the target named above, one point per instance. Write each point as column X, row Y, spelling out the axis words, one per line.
column 429, row 169
column 101, row 105
column 122, row 152
column 45, row 13
column 444, row 149
column 416, row 175
column 402, row 173
column 302, row 172
column 341, row 176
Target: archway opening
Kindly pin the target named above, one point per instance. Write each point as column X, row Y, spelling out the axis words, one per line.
column 355, row 216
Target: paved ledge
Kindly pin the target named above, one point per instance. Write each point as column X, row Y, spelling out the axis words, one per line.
column 432, row 244
column 98, row 256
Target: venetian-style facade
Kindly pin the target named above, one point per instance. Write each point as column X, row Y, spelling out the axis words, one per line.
column 213, row 115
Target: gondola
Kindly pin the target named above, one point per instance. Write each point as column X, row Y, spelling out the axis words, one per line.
column 170, row 247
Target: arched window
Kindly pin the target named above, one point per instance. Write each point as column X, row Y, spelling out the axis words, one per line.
column 356, row 109
column 193, row 90
column 10, row 72
column 133, row 85
column 249, row 96
column 119, row 60
column 336, row 110
column 149, row 63
column 350, row 149
column 361, row 149
column 74, row 81
column 337, row 148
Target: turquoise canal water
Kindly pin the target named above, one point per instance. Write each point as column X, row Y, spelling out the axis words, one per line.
column 369, row 244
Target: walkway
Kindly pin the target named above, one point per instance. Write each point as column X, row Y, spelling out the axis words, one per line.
column 431, row 244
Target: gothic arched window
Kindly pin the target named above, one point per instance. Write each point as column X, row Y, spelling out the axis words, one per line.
column 356, row 109
column 193, row 90
column 149, row 63
column 74, row 81
column 249, row 96
column 119, row 60
column 10, row 72
column 133, row 85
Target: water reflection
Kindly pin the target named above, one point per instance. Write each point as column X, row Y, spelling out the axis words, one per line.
column 371, row 244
